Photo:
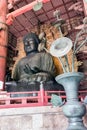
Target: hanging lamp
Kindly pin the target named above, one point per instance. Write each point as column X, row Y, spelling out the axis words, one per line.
column 38, row 6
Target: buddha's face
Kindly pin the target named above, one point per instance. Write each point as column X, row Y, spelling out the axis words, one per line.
column 30, row 45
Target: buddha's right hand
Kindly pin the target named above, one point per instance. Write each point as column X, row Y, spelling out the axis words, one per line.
column 27, row 69
column 31, row 70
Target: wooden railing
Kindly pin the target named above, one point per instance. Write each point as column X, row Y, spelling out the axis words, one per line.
column 31, row 99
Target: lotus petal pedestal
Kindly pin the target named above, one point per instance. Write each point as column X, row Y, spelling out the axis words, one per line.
column 74, row 110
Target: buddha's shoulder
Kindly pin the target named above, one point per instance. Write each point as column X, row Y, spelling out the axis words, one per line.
column 22, row 60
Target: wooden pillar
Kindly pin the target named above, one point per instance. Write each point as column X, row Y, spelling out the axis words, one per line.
column 85, row 7
column 3, row 41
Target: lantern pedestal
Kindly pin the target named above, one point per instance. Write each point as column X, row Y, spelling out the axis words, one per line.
column 74, row 110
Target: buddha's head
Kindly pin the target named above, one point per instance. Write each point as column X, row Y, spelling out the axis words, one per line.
column 31, row 42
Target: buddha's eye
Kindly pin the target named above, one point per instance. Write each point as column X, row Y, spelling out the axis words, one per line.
column 26, row 43
column 31, row 42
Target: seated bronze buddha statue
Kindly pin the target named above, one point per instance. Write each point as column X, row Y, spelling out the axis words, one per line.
column 34, row 68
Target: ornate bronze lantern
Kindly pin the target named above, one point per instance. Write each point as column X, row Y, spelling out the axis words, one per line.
column 74, row 110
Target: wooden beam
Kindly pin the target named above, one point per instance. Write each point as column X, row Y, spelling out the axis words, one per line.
column 85, row 12
column 11, row 16
column 85, row 7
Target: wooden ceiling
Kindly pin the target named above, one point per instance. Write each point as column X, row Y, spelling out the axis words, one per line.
column 26, row 21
